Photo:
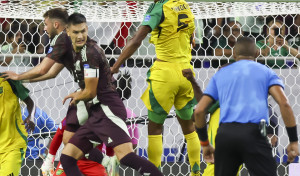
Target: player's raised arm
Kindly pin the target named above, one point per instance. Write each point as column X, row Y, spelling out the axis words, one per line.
column 188, row 73
column 35, row 72
column 131, row 47
column 52, row 73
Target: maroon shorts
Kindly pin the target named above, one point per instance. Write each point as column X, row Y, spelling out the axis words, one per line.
column 106, row 124
column 76, row 116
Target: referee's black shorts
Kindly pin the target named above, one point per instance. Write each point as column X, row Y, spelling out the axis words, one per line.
column 238, row 143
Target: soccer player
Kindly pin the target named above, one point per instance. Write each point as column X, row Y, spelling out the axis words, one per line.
column 87, row 167
column 60, row 55
column 172, row 26
column 13, row 140
column 242, row 89
column 106, row 122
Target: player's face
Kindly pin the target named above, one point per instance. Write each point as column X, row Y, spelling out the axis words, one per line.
column 78, row 34
column 49, row 28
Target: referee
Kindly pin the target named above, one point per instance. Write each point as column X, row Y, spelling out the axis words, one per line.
column 242, row 89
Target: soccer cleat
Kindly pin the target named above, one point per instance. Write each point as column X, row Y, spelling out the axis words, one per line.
column 113, row 166
column 195, row 173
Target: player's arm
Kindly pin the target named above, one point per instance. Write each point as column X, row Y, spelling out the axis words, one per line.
column 87, row 94
column 289, row 120
column 131, row 47
column 35, row 72
column 52, row 73
column 29, row 121
column 188, row 73
column 200, row 123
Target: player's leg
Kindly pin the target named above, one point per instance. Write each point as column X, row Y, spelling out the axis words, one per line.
column 76, row 117
column 193, row 143
column 78, row 145
column 184, row 103
column 155, row 144
column 159, row 99
column 127, row 157
column 10, row 162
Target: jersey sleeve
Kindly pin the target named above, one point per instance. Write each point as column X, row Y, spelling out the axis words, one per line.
column 153, row 16
column 19, row 89
column 274, row 79
column 58, row 48
column 211, row 90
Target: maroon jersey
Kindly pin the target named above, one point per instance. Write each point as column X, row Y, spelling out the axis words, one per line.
column 93, row 56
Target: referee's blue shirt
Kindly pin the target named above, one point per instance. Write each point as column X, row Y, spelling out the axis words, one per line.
column 242, row 89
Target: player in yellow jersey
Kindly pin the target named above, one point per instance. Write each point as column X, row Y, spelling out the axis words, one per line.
column 13, row 135
column 171, row 24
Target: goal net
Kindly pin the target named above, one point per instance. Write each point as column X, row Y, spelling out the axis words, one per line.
column 274, row 25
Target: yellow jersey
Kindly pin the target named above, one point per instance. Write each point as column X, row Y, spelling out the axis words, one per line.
column 172, row 24
column 13, row 134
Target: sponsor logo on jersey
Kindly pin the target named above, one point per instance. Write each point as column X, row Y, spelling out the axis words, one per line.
column 1, row 90
column 147, row 18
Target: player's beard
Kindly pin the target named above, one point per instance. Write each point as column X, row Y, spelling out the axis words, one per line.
column 52, row 34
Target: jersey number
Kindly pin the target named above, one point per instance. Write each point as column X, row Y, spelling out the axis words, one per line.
column 182, row 25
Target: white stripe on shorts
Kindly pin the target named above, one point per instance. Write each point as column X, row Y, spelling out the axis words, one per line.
column 82, row 114
column 118, row 121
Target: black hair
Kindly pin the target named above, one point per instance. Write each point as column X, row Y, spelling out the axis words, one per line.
column 76, row 18
column 57, row 13
column 123, row 85
column 245, row 46
column 15, row 27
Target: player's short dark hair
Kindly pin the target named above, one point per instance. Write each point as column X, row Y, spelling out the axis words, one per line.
column 123, row 85
column 57, row 13
column 76, row 18
column 15, row 27
column 245, row 46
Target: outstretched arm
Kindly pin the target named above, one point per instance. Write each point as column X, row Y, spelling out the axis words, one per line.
column 289, row 120
column 35, row 72
column 131, row 47
column 52, row 73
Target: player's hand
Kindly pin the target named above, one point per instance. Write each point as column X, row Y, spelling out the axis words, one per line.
column 292, row 151
column 188, row 73
column 29, row 125
column 48, row 166
column 208, row 153
column 74, row 100
column 9, row 75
